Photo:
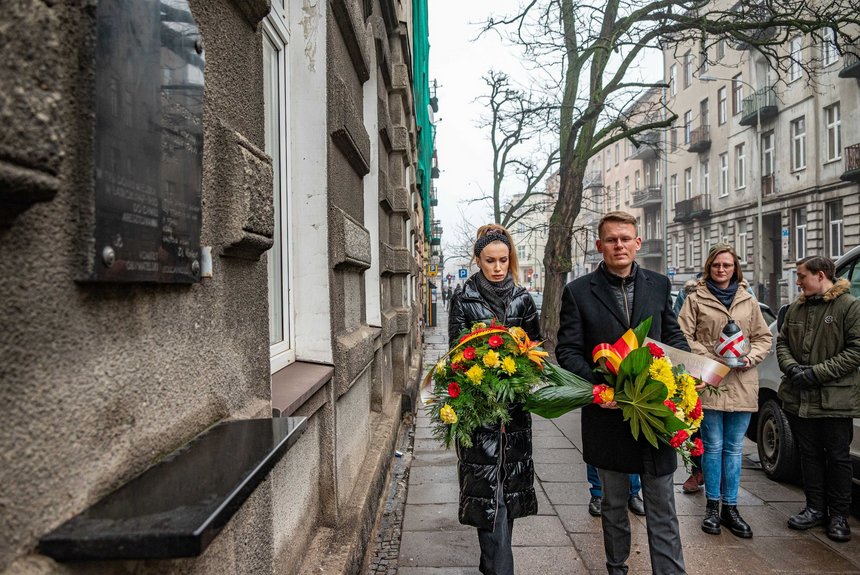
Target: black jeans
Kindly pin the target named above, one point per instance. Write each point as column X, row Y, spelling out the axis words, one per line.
column 825, row 461
column 497, row 556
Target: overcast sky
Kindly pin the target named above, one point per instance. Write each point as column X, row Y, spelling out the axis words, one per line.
column 457, row 62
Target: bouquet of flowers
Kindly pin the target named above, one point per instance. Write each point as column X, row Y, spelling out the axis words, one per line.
column 493, row 368
column 658, row 399
column 490, row 369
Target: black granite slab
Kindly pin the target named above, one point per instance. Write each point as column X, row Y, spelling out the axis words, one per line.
column 177, row 507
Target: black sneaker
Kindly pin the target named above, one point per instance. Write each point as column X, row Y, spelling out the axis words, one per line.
column 838, row 529
column 594, row 506
column 807, row 518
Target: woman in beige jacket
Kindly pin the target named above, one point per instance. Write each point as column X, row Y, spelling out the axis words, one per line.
column 721, row 295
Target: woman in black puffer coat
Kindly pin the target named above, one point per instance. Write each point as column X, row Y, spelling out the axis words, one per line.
column 496, row 474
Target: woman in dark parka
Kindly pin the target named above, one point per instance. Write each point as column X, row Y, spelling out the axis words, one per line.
column 496, row 474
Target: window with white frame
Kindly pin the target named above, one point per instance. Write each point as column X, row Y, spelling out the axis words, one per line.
column 690, row 249
column 703, row 61
column 688, row 183
column 767, row 140
column 741, row 243
column 737, row 94
column 706, row 241
column 648, row 179
column 829, row 54
column 673, row 135
column 627, row 189
column 721, row 105
column 608, row 159
column 276, row 118
column 676, row 257
column 740, row 166
column 724, row 175
column 673, row 188
column 688, row 69
column 835, row 230
column 617, row 195
column 721, row 50
column 673, row 80
column 724, row 232
column 794, row 67
column 617, row 155
column 798, row 224
column 688, row 125
column 797, row 129
column 832, row 121
column 704, row 172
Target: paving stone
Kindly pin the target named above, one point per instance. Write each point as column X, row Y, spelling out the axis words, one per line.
column 439, row 549
column 548, row 561
column 435, row 457
column 576, row 519
column 550, row 442
column 424, row 493
column 773, row 491
column 425, row 432
column 797, row 555
column 544, row 455
column 438, row 571
column 538, row 531
column 589, row 546
column 567, row 493
column 561, row 472
column 435, row 517
column 544, row 506
column 433, row 474
column 431, row 444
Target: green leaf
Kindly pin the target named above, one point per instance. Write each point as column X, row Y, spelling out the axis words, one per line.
column 650, row 436
column 641, row 330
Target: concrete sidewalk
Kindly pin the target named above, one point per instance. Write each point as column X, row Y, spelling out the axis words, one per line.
column 563, row 538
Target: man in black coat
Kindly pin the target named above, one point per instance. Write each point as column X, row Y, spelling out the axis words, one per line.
column 598, row 308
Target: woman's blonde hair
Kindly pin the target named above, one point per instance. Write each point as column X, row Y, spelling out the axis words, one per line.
column 722, row 249
column 513, row 262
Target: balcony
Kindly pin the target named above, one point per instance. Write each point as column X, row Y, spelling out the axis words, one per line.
column 747, row 12
column 651, row 249
column 435, row 233
column 649, row 142
column 852, row 164
column 697, row 207
column 434, row 200
column 592, row 180
column 650, row 196
column 700, row 140
column 761, row 104
column 851, row 68
column 768, row 185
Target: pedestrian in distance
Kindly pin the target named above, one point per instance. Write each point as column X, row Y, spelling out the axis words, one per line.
column 818, row 349
column 496, row 474
column 600, row 307
column 721, row 296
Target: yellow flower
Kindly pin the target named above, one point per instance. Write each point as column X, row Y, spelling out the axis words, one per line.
column 440, row 367
column 475, row 374
column 509, row 366
column 607, row 395
column 661, row 370
column 688, row 392
column 447, row 414
column 458, row 358
column 491, row 359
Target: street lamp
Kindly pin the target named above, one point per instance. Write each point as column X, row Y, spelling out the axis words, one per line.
column 759, row 244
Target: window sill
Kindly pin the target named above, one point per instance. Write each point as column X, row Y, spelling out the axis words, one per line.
column 295, row 384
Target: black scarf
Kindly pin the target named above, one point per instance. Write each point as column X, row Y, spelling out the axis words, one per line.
column 726, row 296
column 497, row 294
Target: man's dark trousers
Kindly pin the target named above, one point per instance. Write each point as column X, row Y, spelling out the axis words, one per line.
column 661, row 519
column 825, row 461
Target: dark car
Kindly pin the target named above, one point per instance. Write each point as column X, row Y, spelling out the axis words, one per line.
column 769, row 427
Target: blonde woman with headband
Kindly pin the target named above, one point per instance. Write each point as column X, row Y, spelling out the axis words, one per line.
column 496, row 474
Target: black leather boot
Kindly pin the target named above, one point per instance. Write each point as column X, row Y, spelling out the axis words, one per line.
column 730, row 517
column 711, row 522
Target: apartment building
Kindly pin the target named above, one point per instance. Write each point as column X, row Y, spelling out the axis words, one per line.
column 765, row 161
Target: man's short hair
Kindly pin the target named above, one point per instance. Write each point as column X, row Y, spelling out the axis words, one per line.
column 817, row 264
column 620, row 217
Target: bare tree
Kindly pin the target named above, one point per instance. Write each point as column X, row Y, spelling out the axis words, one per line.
column 591, row 47
column 523, row 131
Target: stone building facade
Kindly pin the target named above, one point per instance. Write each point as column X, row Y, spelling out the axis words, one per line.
column 313, row 210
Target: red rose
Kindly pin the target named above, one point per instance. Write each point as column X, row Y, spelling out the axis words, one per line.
column 656, row 350
column 457, row 366
column 496, row 341
column 679, row 439
column 453, row 389
column 469, row 353
column 697, row 449
column 668, row 403
column 696, row 412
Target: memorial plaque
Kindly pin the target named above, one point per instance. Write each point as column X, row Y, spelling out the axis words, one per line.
column 148, row 143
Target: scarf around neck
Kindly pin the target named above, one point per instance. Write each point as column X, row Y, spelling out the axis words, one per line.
column 497, row 294
column 727, row 295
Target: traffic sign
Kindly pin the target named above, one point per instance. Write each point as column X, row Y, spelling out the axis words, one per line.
column 463, row 273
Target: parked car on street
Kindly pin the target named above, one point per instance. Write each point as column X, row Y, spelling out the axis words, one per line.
column 538, row 297
column 769, row 427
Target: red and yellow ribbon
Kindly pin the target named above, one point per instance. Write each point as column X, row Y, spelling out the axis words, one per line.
column 614, row 354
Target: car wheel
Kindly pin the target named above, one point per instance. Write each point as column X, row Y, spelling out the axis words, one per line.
column 777, row 450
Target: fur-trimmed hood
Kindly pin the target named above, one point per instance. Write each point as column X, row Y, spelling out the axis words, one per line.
column 841, row 286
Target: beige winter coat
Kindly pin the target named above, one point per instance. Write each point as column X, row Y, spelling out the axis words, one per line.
column 702, row 319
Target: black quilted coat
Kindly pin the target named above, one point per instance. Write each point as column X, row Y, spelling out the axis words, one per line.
column 481, row 467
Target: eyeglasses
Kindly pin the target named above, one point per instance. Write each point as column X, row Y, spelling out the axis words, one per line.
column 717, row 266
